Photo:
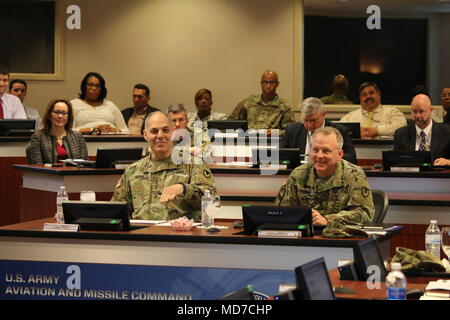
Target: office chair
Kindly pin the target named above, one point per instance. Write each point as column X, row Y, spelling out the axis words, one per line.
column 28, row 154
column 381, row 202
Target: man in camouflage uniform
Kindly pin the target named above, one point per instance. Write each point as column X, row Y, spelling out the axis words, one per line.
column 265, row 111
column 193, row 144
column 157, row 188
column 332, row 187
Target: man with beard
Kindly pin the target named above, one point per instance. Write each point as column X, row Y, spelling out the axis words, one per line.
column 375, row 119
column 424, row 134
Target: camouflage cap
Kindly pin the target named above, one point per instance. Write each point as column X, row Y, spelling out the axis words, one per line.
column 417, row 260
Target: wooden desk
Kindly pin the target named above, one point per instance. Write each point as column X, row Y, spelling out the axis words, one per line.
column 161, row 246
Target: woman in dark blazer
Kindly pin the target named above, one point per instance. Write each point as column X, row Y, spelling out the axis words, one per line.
column 56, row 141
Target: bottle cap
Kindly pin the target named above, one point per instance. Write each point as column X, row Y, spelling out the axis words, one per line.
column 396, row 266
column 433, row 221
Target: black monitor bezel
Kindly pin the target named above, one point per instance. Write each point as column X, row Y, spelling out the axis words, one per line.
column 251, row 214
column 224, row 125
column 353, row 128
column 303, row 291
column 72, row 209
column 360, row 262
column 18, row 124
column 291, row 154
column 423, row 159
column 103, row 157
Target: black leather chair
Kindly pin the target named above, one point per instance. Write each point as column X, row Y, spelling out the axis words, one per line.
column 381, row 202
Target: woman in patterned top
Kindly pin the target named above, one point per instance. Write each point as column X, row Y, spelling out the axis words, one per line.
column 57, row 141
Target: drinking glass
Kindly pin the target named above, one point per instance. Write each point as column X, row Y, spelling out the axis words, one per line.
column 446, row 241
column 215, row 212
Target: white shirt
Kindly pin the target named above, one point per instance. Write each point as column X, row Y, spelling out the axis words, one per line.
column 386, row 119
column 427, row 131
column 12, row 107
column 87, row 116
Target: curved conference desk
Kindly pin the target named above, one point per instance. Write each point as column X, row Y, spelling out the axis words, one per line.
column 153, row 262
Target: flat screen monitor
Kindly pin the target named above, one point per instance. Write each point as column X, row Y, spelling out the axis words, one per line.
column 313, row 281
column 245, row 293
column 286, row 156
column 17, row 127
column 367, row 254
column 421, row 159
column 272, row 217
column 224, row 125
column 353, row 128
column 97, row 215
column 109, row 157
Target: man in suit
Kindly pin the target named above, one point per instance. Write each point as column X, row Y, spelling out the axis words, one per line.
column 424, row 134
column 298, row 135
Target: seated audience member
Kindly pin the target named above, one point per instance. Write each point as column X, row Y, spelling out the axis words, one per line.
column 298, row 135
column 340, row 89
column 174, row 190
column 266, row 110
column 376, row 119
column 424, row 134
column 10, row 105
column 135, row 116
column 93, row 113
column 193, row 140
column 445, row 100
column 56, row 141
column 19, row 88
column 333, row 188
column 203, row 103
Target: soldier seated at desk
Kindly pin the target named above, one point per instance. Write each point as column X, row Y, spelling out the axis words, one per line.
column 157, row 188
column 332, row 187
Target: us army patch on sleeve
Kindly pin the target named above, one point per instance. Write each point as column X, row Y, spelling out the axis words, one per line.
column 365, row 192
column 207, row 174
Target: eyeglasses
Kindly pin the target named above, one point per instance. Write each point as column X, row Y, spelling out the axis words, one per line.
column 312, row 121
column 268, row 82
column 61, row 113
column 93, row 85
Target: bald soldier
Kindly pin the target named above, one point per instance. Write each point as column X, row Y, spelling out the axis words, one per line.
column 340, row 88
column 332, row 187
column 266, row 110
column 155, row 187
column 424, row 134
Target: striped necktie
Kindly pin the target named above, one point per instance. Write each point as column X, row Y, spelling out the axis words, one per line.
column 423, row 142
column 1, row 109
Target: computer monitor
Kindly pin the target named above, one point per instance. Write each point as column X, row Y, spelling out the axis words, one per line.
column 313, row 281
column 223, row 125
column 366, row 254
column 420, row 159
column 281, row 218
column 97, row 215
column 109, row 157
column 286, row 156
column 353, row 128
column 17, row 127
column 245, row 293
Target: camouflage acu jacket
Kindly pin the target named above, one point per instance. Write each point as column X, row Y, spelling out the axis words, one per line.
column 142, row 183
column 346, row 195
column 259, row 114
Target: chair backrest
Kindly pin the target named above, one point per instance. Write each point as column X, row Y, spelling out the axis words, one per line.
column 381, row 202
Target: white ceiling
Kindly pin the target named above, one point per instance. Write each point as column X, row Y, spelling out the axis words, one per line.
column 358, row 7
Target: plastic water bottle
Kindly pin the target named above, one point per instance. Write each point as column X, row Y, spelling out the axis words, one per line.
column 396, row 283
column 433, row 239
column 60, row 197
column 207, row 203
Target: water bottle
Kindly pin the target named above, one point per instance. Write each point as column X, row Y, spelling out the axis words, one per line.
column 433, row 239
column 396, row 283
column 207, row 204
column 60, row 197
